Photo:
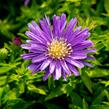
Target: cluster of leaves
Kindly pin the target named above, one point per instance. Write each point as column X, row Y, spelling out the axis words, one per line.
column 19, row 89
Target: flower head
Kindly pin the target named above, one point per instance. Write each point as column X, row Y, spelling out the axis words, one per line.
column 58, row 49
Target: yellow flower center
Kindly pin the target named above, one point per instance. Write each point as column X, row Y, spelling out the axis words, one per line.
column 59, row 49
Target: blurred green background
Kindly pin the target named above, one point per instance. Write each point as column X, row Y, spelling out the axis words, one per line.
column 19, row 89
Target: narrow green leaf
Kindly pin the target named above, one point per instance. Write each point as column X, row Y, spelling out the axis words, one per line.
column 99, row 98
column 11, row 95
column 52, row 106
column 1, row 91
column 3, row 80
column 99, row 107
column 76, row 99
column 18, row 104
column 85, row 105
column 22, row 87
column 99, row 72
column 57, row 91
column 86, row 80
column 106, row 5
column 4, row 69
column 33, row 88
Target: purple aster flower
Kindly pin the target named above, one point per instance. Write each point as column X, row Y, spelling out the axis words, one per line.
column 58, row 49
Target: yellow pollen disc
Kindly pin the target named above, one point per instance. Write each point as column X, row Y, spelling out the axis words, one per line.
column 59, row 49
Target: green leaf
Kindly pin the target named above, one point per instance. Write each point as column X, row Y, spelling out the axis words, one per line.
column 100, row 97
column 97, row 72
column 1, row 92
column 106, row 5
column 99, row 107
column 57, row 91
column 3, row 80
column 52, row 106
column 4, row 69
column 76, row 99
column 22, row 87
column 22, row 35
column 86, row 80
column 71, row 106
column 33, row 88
column 10, row 95
column 18, row 104
column 13, row 77
column 85, row 105
column 50, row 82
column 106, row 83
column 7, row 67
column 73, row 0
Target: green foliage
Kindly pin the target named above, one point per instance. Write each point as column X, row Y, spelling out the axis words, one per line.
column 86, row 80
column 19, row 89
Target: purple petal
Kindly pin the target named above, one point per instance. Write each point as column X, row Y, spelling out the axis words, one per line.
column 64, row 75
column 78, row 29
column 52, row 67
column 83, row 45
column 45, row 64
column 90, row 58
column 80, row 37
column 57, row 74
column 70, row 27
column 56, row 26
column 38, row 51
column 38, row 47
column 35, row 48
column 45, row 25
column 81, row 54
column 84, row 52
column 32, row 29
column 65, row 67
column 90, row 51
column 34, row 37
column 28, row 56
column 75, row 62
column 26, row 46
column 46, row 75
column 74, row 70
column 38, row 31
column 38, row 58
column 83, row 32
column 35, row 42
column 78, row 56
column 87, row 64
column 34, row 68
column 62, row 23
column 73, row 34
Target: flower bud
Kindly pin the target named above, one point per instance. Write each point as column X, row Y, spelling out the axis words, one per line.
column 17, row 41
column 3, row 53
